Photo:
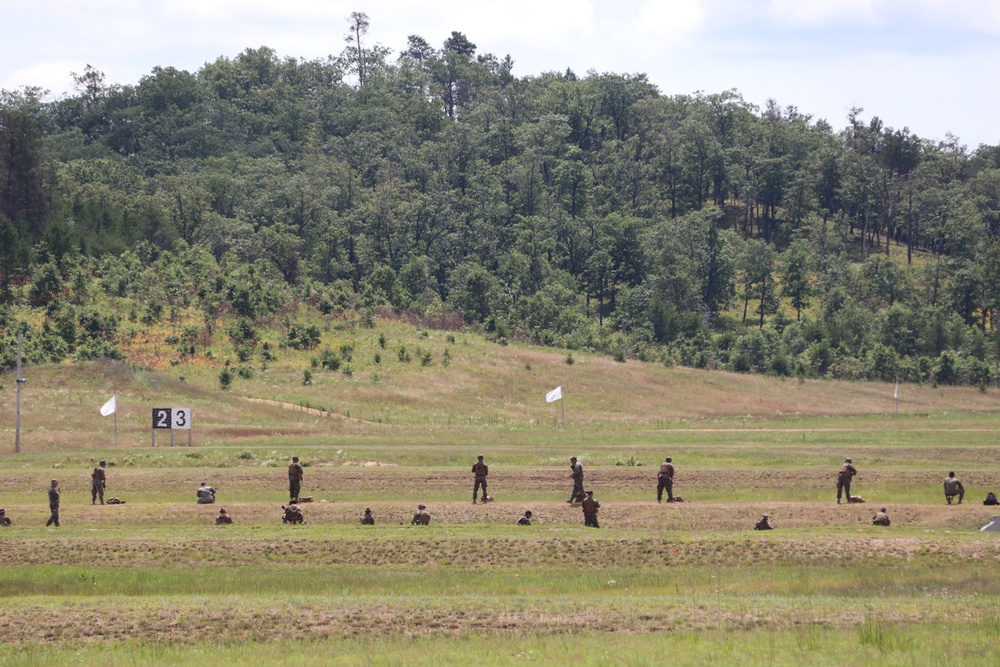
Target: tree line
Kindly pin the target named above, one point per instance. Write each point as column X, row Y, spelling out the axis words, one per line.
column 584, row 211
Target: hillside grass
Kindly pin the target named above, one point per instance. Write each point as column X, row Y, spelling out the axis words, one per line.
column 154, row 581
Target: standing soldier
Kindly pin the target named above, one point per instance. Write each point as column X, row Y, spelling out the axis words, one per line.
column 665, row 481
column 590, row 507
column 952, row 488
column 294, row 479
column 98, row 480
column 480, row 470
column 54, row 494
column 576, row 472
column 844, row 479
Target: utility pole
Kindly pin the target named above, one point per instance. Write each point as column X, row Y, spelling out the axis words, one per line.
column 17, row 415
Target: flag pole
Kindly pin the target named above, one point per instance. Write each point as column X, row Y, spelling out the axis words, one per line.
column 116, row 416
column 562, row 407
column 895, row 395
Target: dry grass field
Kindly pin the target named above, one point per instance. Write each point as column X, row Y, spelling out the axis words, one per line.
column 154, row 581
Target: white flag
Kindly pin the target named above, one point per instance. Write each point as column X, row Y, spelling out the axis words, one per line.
column 110, row 407
column 896, row 393
column 554, row 395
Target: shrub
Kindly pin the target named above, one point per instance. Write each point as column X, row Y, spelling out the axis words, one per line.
column 225, row 378
column 307, row 377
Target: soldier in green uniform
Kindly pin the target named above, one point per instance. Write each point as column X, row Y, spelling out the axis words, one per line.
column 480, row 470
column 98, row 480
column 422, row 517
column 844, row 476
column 54, row 494
column 952, row 488
column 590, row 507
column 294, row 479
column 665, row 481
column 880, row 518
column 576, row 472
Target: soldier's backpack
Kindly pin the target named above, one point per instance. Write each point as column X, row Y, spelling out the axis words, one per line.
column 991, row 499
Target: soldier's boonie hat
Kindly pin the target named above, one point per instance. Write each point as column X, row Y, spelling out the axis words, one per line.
column 368, row 509
column 882, row 510
column 102, row 461
column 54, row 481
column 847, row 460
column 421, row 507
column 590, row 493
column 222, row 510
column 480, row 456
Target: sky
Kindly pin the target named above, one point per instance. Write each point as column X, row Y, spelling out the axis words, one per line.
column 932, row 66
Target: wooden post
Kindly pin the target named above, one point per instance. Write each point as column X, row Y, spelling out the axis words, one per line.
column 17, row 415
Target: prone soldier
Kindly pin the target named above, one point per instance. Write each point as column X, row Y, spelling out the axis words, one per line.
column 665, row 481
column 590, row 508
column 764, row 523
column 223, row 518
column 525, row 520
column 847, row 471
column 480, row 470
column 54, row 494
column 576, row 472
column 422, row 517
column 294, row 479
column 368, row 519
column 4, row 519
column 98, row 481
column 952, row 488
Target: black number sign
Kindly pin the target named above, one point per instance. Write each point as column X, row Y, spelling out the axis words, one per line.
column 161, row 418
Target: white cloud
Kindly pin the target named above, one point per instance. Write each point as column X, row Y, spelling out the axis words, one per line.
column 824, row 12
column 973, row 15
column 51, row 75
column 672, row 20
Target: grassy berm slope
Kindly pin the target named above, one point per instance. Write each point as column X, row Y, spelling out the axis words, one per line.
column 400, row 422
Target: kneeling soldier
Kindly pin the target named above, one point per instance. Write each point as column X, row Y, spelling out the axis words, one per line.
column 881, row 518
column 421, row 518
column 590, row 507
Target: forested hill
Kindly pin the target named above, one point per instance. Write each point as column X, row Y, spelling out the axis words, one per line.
column 584, row 211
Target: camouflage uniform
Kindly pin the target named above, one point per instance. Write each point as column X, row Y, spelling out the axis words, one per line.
column 576, row 473
column 206, row 494
column 881, row 518
column 590, row 507
column 98, row 480
column 4, row 519
column 480, row 470
column 844, row 480
column 421, row 518
column 368, row 519
column 952, row 488
column 54, row 494
column 223, row 518
column 294, row 478
column 665, row 482
column 763, row 524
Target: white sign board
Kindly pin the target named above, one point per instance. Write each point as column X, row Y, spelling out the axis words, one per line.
column 181, row 418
